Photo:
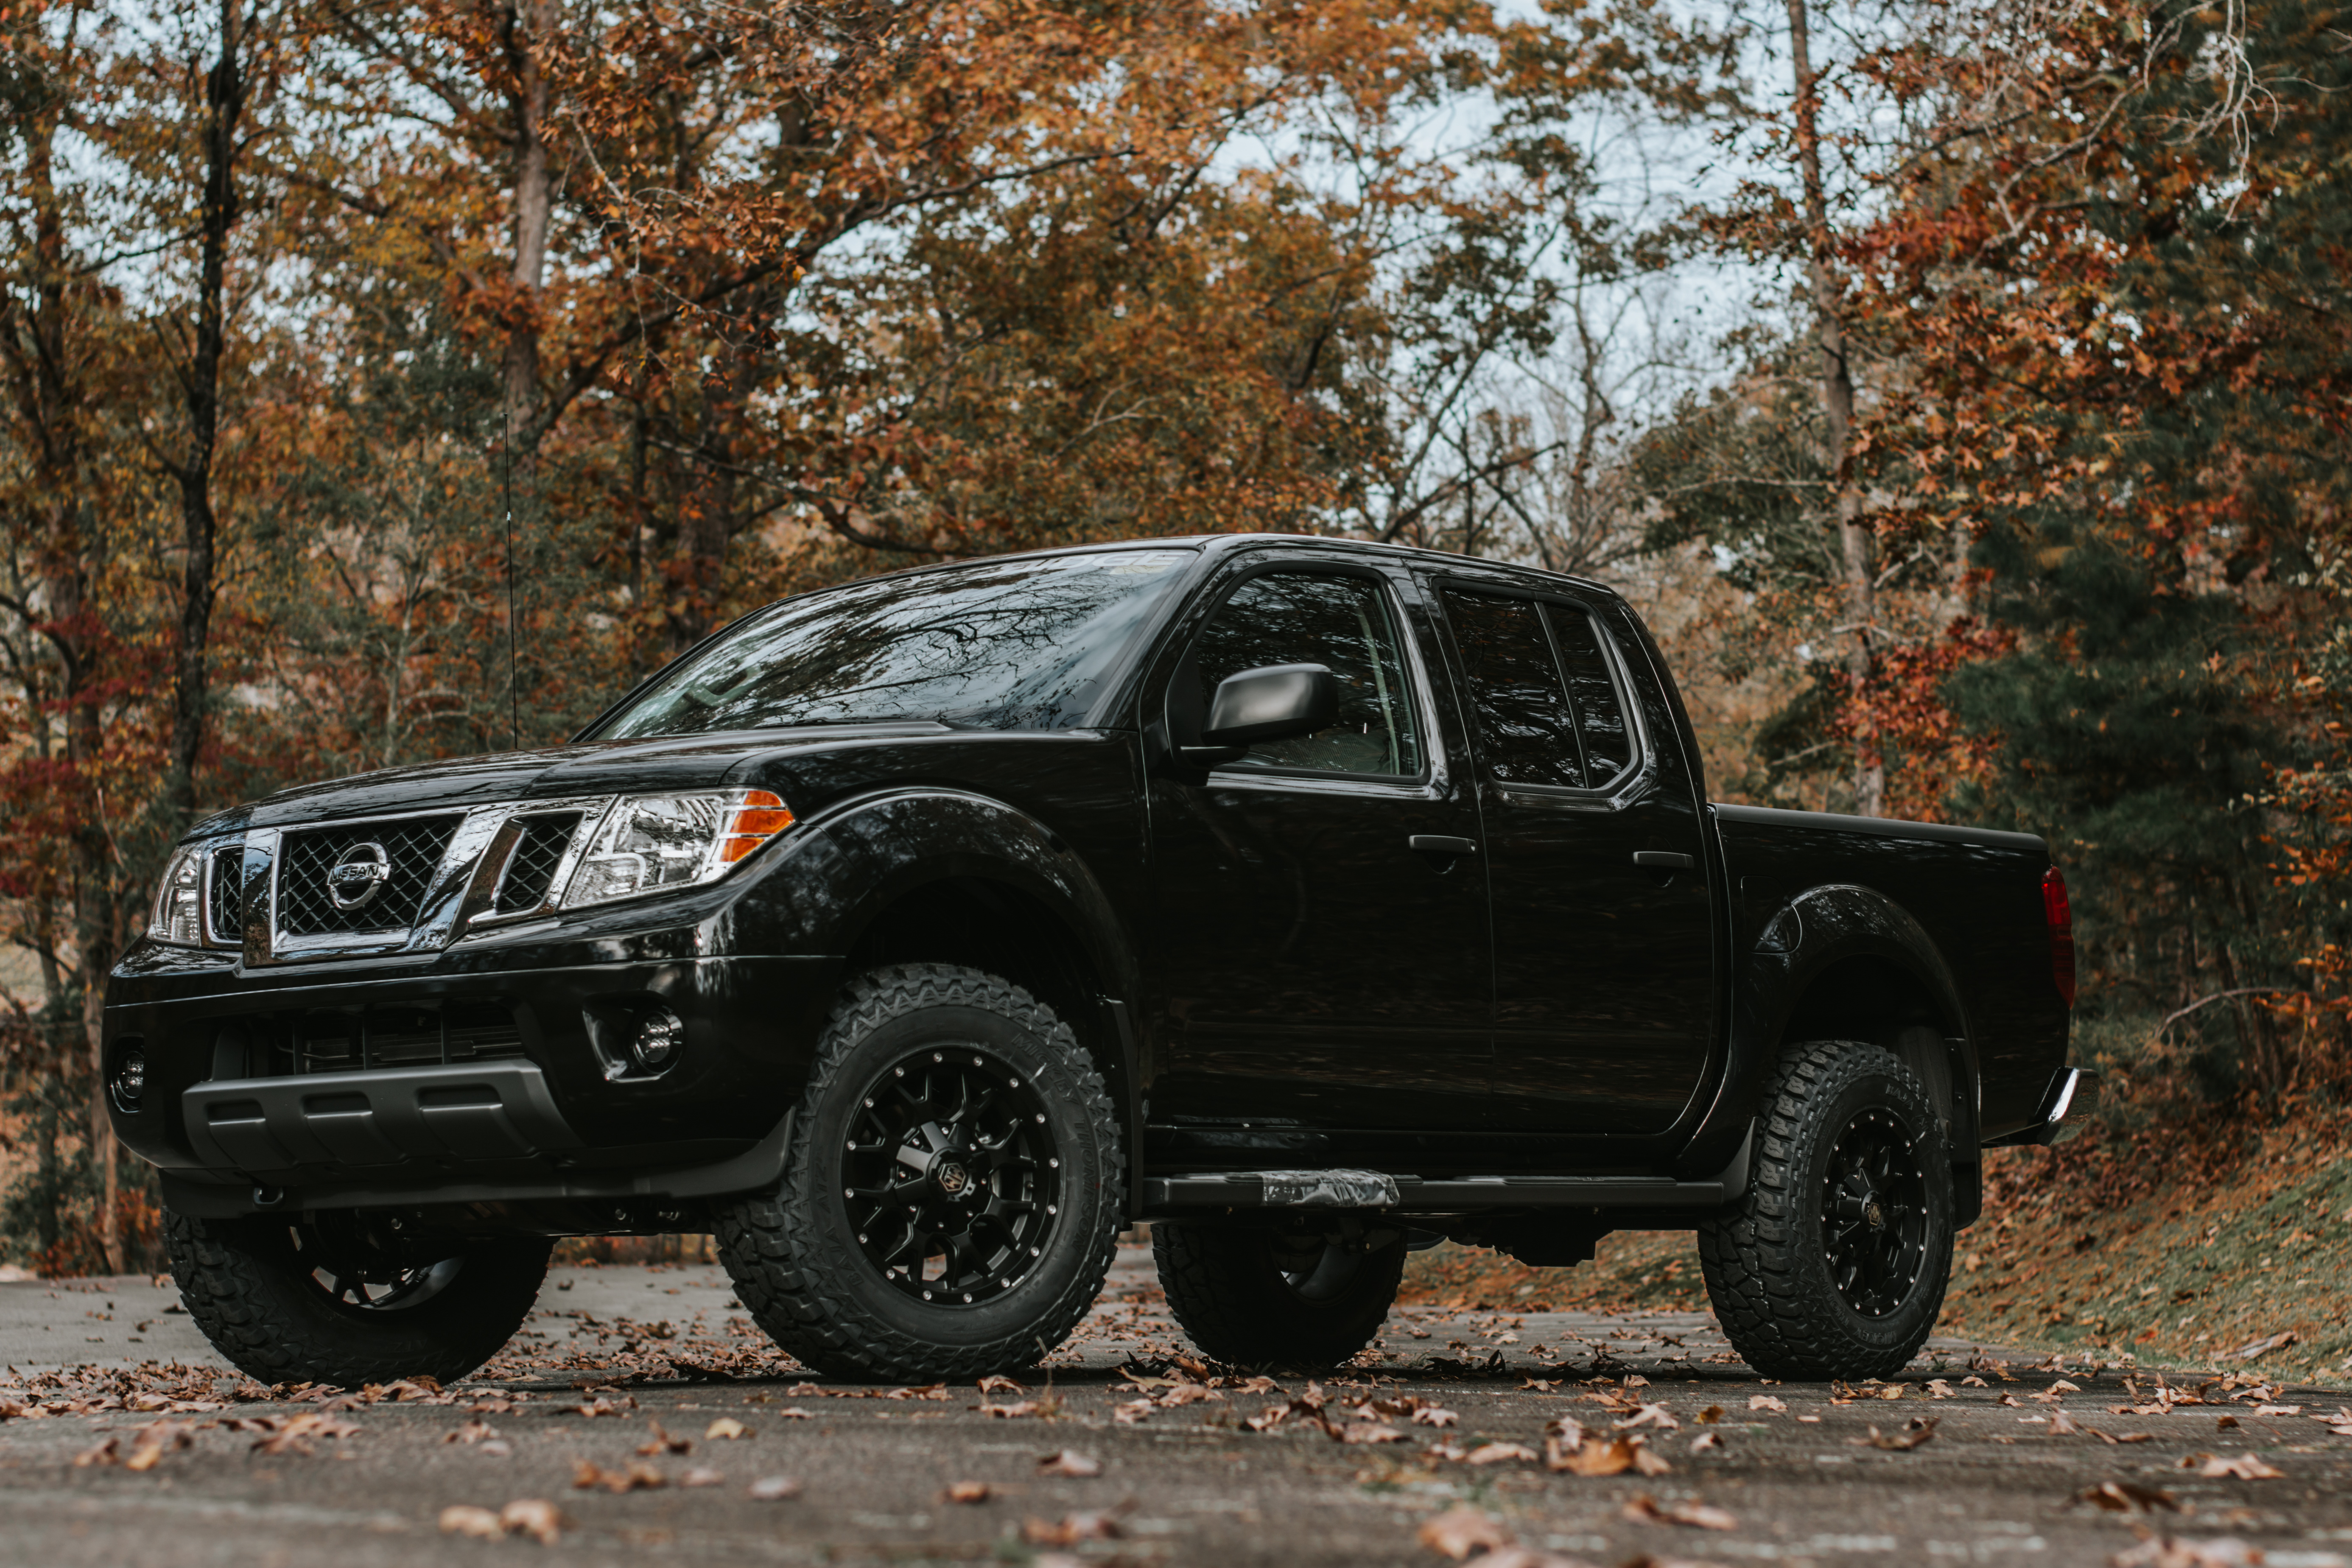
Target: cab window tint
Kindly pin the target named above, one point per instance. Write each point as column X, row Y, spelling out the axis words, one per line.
column 1527, row 731
column 1340, row 622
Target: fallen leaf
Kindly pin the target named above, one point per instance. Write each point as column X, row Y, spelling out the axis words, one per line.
column 726, row 1428
column 701, row 1476
column 2063, row 1425
column 1013, row 1412
column 1647, row 1509
column 472, row 1432
column 997, row 1382
column 2223, row 1423
column 1382, row 1433
column 1709, row 1417
column 1497, row 1453
column 465, row 1519
column 967, row 1491
column 2172, row 1551
column 1068, row 1462
column 1460, row 1531
column 663, row 1443
column 1431, row 1416
column 534, row 1517
column 1070, row 1528
column 2124, row 1497
column 2263, row 1347
column 1707, row 1440
column 1651, row 1415
column 2244, row 1466
column 586, row 1475
column 1766, row 1402
column 775, row 1488
column 1914, row 1432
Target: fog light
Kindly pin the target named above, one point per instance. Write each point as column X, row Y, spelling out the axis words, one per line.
column 657, row 1039
column 130, row 1078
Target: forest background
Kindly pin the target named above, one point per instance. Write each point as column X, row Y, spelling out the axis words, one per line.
column 1961, row 386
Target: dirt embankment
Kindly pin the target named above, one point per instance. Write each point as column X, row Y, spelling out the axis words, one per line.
column 2170, row 1254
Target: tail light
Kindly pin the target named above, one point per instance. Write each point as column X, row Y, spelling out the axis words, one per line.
column 2061, row 916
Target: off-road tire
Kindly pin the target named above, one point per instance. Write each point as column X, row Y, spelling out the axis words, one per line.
column 1767, row 1259
column 1228, row 1290
column 251, row 1293
column 793, row 1252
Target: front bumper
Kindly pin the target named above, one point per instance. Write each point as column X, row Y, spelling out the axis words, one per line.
column 224, row 1110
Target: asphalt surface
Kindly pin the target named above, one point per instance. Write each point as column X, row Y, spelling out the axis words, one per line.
column 232, row 1475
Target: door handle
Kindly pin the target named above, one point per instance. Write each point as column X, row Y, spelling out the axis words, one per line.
column 1662, row 860
column 1442, row 844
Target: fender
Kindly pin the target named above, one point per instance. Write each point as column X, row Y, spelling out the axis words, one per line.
column 1806, row 936
column 849, row 863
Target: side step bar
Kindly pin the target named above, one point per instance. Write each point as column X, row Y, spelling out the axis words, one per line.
column 1379, row 1190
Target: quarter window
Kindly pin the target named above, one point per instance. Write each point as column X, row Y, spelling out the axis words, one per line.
column 1340, row 622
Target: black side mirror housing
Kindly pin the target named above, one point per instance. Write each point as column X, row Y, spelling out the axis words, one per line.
column 1274, row 703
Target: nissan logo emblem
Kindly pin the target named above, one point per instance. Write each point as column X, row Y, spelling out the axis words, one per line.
column 354, row 881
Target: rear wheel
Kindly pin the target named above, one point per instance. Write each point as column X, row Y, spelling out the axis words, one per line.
column 1835, row 1261
column 1253, row 1298
column 950, row 1201
column 344, row 1298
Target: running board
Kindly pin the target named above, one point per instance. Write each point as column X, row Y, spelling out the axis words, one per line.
column 1379, row 1190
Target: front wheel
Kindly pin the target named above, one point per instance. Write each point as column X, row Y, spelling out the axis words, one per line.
column 1255, row 1297
column 1834, row 1262
column 343, row 1298
column 951, row 1202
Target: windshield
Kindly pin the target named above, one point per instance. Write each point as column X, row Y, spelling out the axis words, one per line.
column 1021, row 644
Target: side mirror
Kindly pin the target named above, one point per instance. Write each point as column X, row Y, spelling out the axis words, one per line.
column 1272, row 704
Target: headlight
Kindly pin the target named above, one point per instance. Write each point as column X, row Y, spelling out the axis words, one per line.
column 654, row 843
column 179, row 916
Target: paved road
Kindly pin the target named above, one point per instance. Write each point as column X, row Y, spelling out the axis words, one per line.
column 1183, row 1477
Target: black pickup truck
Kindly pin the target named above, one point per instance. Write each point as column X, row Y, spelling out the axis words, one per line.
column 1312, row 900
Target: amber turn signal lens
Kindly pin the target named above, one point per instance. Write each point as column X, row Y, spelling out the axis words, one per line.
column 759, row 817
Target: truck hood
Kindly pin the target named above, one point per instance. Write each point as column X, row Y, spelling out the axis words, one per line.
column 554, row 773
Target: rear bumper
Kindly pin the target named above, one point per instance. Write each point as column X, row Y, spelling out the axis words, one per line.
column 221, row 1117
column 2072, row 1093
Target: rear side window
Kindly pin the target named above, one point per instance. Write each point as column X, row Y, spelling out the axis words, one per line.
column 1542, row 691
column 1308, row 618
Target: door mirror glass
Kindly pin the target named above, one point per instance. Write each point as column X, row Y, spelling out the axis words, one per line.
column 1275, row 703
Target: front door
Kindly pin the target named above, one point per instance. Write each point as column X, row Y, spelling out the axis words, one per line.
column 1604, row 984
column 1318, row 970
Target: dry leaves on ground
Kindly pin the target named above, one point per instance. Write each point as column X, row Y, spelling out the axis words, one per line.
column 1917, row 1431
column 774, row 1489
column 2244, row 1466
column 587, row 1476
column 1766, row 1401
column 727, row 1429
column 1070, row 1528
column 967, row 1491
column 146, row 1449
column 1647, row 1509
column 291, row 1434
column 1462, row 1531
column 663, row 1443
column 2124, row 1497
column 1068, row 1462
column 534, row 1517
column 1569, row 1449
column 1498, row 1453
column 702, row 1476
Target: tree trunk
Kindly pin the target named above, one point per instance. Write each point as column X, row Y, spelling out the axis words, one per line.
column 224, row 108
column 529, row 24
column 1856, row 543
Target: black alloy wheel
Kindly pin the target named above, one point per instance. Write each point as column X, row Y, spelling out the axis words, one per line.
column 1875, row 1212
column 363, row 1264
column 951, row 1174
column 351, row 1298
column 1255, row 1297
column 952, row 1188
column 1833, row 1263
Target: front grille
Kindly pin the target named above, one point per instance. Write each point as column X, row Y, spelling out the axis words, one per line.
column 356, row 1040
column 226, row 896
column 413, row 849
column 531, row 870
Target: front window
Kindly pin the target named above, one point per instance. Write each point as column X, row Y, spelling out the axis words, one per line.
column 1021, row 644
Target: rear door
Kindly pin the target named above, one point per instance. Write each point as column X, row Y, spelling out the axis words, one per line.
column 1317, row 971
column 1603, row 979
